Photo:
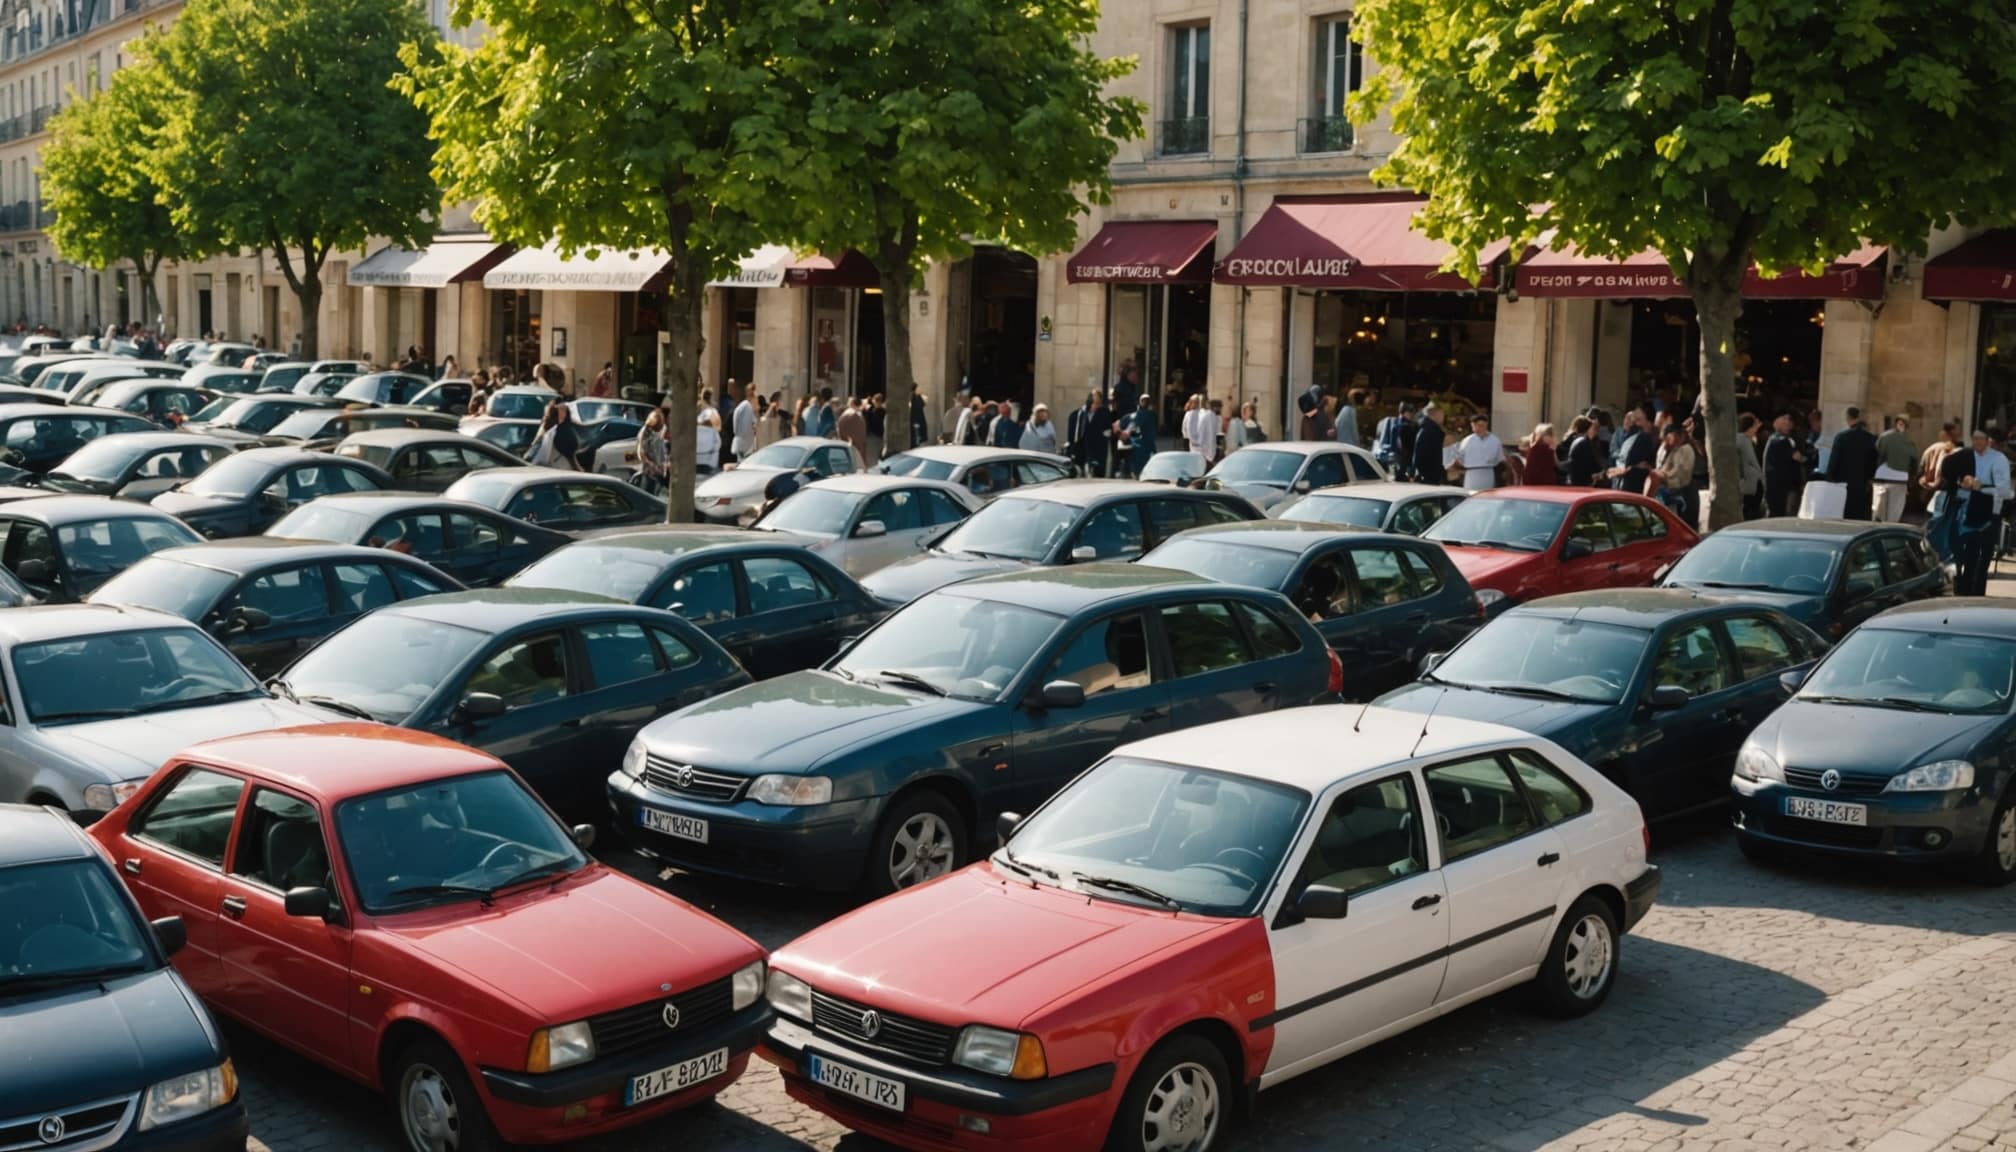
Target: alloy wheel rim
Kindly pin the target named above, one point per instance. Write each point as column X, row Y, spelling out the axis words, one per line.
column 2005, row 839
column 433, row 1123
column 922, row 850
column 1586, row 960
column 1182, row 1111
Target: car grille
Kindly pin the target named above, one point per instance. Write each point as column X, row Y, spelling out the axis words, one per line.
column 686, row 780
column 643, row 1024
column 901, row 1036
column 1852, row 784
column 85, row 1127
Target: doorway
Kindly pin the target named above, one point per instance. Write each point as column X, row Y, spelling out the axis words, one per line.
column 738, row 344
column 1001, row 326
column 204, row 312
column 1164, row 330
column 1777, row 354
column 870, row 365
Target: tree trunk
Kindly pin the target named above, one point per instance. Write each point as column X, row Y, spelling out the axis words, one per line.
column 686, row 342
column 1718, row 303
column 145, row 271
column 893, row 263
column 308, row 291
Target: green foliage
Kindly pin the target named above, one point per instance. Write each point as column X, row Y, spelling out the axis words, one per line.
column 95, row 177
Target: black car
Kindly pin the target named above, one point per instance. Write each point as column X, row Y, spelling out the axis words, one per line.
column 100, row 1029
column 1656, row 689
column 135, row 465
column 555, row 684
column 577, row 503
column 776, row 607
column 37, row 437
column 64, row 547
column 164, row 403
column 322, row 428
column 422, row 460
column 472, row 543
column 1901, row 744
column 246, row 420
column 1829, row 575
column 270, row 600
column 888, row 766
column 1382, row 601
column 1066, row 522
column 244, row 495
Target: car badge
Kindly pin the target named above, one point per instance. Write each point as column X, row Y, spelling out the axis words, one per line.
column 50, row 1130
column 664, row 987
column 1830, row 780
column 871, row 1024
column 670, row 1015
column 685, row 776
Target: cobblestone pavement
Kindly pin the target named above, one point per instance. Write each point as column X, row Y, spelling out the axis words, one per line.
column 1807, row 1007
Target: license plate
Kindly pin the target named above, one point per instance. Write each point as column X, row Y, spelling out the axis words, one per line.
column 877, row 1090
column 673, row 824
column 676, row 1078
column 1827, row 811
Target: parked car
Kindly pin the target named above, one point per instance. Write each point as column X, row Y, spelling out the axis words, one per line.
column 1655, row 688
column 135, row 465
column 1270, row 473
column 1409, row 509
column 600, row 441
column 886, row 767
column 980, row 470
column 866, row 521
column 595, row 409
column 736, row 495
column 163, row 403
column 424, row 460
column 1898, row 745
column 99, row 375
column 64, row 547
column 1179, row 468
column 284, row 376
column 553, row 683
column 774, row 606
column 320, row 429
column 269, row 600
column 577, row 503
column 476, row 545
column 111, row 1049
column 62, row 378
column 516, row 437
column 1519, row 544
column 234, row 381
column 245, row 421
column 1210, row 913
column 512, row 402
column 1383, row 602
column 1829, row 575
column 37, row 437
column 228, row 352
column 450, row 893
column 1068, row 522
column 28, row 394
column 449, row 397
column 325, row 384
column 100, row 696
column 383, row 388
column 245, row 494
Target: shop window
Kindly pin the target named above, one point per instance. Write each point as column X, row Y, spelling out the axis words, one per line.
column 1338, row 71
column 1185, row 128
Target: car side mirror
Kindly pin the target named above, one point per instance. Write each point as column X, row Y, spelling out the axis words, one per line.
column 307, row 903
column 1792, row 681
column 1061, row 694
column 583, row 836
column 1432, row 661
column 1577, row 548
column 170, row 933
column 1005, row 825
column 244, row 619
column 35, row 572
column 480, row 706
column 1858, row 590
column 1083, row 553
column 1322, row 902
column 1667, row 697
column 1301, row 486
column 870, row 528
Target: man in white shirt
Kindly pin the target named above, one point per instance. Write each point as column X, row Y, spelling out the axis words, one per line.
column 1201, row 429
column 744, row 442
column 1480, row 454
column 1981, row 516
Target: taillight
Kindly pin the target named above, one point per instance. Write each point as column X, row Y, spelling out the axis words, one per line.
column 1336, row 687
column 1645, row 830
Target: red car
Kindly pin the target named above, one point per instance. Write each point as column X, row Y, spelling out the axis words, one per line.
column 405, row 911
column 1519, row 544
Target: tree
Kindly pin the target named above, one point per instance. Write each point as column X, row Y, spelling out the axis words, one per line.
column 1718, row 132
column 280, row 133
column 95, row 178
column 919, row 125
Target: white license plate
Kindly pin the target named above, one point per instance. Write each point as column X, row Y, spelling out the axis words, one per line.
column 1827, row 811
column 672, row 824
column 676, row 1078
column 877, row 1090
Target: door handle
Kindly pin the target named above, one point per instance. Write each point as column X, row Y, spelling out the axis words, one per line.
column 234, row 906
column 1427, row 902
column 131, row 867
column 1733, row 715
column 1265, row 686
column 991, row 749
column 1148, row 714
column 1549, row 858
column 574, row 722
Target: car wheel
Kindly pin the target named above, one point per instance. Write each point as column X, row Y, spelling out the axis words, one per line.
column 1759, row 851
column 439, row 1110
column 921, row 838
column 1998, row 856
column 1581, row 964
column 1178, row 1101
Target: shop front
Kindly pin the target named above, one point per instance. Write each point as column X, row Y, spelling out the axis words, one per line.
column 1982, row 272
column 733, row 305
column 431, row 298
column 844, row 341
column 581, row 313
column 1157, row 276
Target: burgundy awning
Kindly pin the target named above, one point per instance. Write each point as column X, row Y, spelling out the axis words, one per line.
column 1983, row 268
column 1646, row 276
column 1145, row 252
column 1343, row 242
column 1856, row 276
column 851, row 270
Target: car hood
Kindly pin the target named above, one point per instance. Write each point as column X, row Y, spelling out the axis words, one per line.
column 1805, row 607
column 1018, row 947
column 736, row 482
column 1262, row 494
column 1540, row 717
column 1481, row 566
column 596, row 942
column 133, row 746
column 91, row 1041
column 186, row 504
column 1807, row 735
column 913, row 576
column 794, row 722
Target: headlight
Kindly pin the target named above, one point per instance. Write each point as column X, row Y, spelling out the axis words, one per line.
column 1489, row 596
column 791, row 791
column 1013, row 1054
column 633, row 760
column 1753, row 763
column 1944, row 776
column 105, row 797
column 789, row 995
column 747, row 985
column 182, row 1097
column 722, row 501
column 563, row 1047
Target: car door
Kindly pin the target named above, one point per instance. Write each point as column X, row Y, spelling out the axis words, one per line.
column 172, row 858
column 481, row 553
column 1685, row 754
column 1112, row 532
column 1337, row 983
column 421, row 535
column 1907, row 575
column 1861, row 588
column 1322, row 470
column 708, row 596
column 787, row 624
column 632, row 678
column 1599, row 568
column 295, row 603
column 1763, row 651
column 1213, row 674
column 540, row 732
column 1500, row 868
column 901, row 513
column 1390, row 618
column 1126, row 698
column 33, row 544
column 1640, row 535
column 159, row 471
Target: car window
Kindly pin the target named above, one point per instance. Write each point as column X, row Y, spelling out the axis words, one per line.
column 1168, row 517
column 703, row 594
column 1555, row 797
column 987, row 479
column 531, row 671
column 291, row 594
column 469, row 532
column 1037, row 472
column 474, row 458
column 29, row 541
column 1372, row 835
column 1218, row 512
column 1361, row 468
column 1477, row 806
column 940, row 508
column 1413, row 518
column 362, row 587
column 1422, row 574
column 1325, row 470
column 302, row 484
column 280, row 844
column 415, row 534
column 1630, row 523
column 776, row 584
column 1592, row 525
column 1112, row 532
column 593, row 504
column 1324, row 591
column 673, row 652
column 1270, row 636
column 193, row 815
column 1108, row 656
column 619, row 653
column 1203, row 637
column 899, row 511
column 1900, row 560
column 1382, row 582
column 1761, row 647
column 411, row 583
column 1691, row 659
column 1865, row 562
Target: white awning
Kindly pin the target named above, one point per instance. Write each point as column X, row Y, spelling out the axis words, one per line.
column 449, row 260
column 763, row 268
column 546, row 269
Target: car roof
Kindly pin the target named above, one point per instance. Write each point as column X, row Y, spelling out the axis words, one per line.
column 39, row 622
column 1834, row 529
column 147, row 441
column 1976, row 615
column 285, row 454
column 501, row 609
column 1557, row 495
column 1384, row 490
column 810, row 441
column 1634, row 607
column 244, row 554
column 35, row 835
column 880, row 482
column 46, row 411
column 397, row 437
column 393, row 501
column 524, row 390
column 1314, row 747
column 1291, row 535
column 530, row 474
column 333, row 762
column 974, row 453
column 73, row 509
column 1084, row 492
column 1073, row 588
column 673, row 540
column 1300, row 447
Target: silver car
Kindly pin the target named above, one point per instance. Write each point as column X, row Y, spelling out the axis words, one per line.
column 986, row 472
column 735, row 496
column 97, row 697
column 1409, row 509
column 1270, row 473
column 865, row 522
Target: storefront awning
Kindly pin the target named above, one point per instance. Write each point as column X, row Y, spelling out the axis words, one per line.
column 1570, row 275
column 851, row 270
column 448, row 260
column 1856, row 276
column 1342, row 242
column 547, row 270
column 1983, row 268
column 1145, row 252
column 763, row 268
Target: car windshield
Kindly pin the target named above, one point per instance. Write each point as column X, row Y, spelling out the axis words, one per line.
column 590, row 411
column 1142, row 832
column 610, row 569
column 1516, row 525
column 167, row 584
column 450, row 840
column 813, row 511
column 1258, row 466
column 1357, row 511
column 1917, row 672
column 255, row 415
column 379, row 454
column 518, row 405
column 306, row 424
column 952, row 645
column 487, row 489
column 1547, row 655
column 93, row 548
column 911, row 464
column 1013, row 529
column 104, row 459
column 1251, row 565
column 387, row 663
column 214, row 411
column 320, row 520
column 1761, row 563
column 65, row 921
column 117, row 674
column 1174, row 466
column 232, row 476
column 782, row 457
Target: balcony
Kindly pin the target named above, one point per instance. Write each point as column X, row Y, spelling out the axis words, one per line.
column 1188, row 137
column 1325, row 134
column 13, row 128
column 38, row 120
column 44, row 216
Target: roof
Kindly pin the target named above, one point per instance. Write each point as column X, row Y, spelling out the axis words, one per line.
column 1976, row 615
column 1835, row 529
column 674, row 540
column 40, row 622
column 1290, row 535
column 148, row 441
column 524, row 390
column 400, row 437
column 1631, row 607
column 1073, row 588
column 1558, row 495
column 809, row 441
column 331, row 762
column 1082, row 492
column 33, row 835
column 501, row 609
column 1301, row 447
column 244, row 554
column 285, row 454
column 373, row 503
column 524, row 477
column 1312, row 748
column 879, row 482
column 54, row 411
column 55, row 510
column 1381, row 490
column 973, row 453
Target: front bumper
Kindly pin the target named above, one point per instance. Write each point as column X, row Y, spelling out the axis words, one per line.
column 1640, row 895
column 1902, row 825
column 218, row 1130
column 822, row 847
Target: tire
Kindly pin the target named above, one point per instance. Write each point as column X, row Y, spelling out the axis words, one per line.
column 1180, row 1100
column 1997, row 863
column 1759, row 852
column 436, row 1106
column 921, row 837
column 1581, row 963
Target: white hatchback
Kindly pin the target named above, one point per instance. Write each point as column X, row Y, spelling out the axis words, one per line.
column 867, row 521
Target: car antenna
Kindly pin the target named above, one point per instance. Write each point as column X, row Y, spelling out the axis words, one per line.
column 1424, row 722
column 1366, row 707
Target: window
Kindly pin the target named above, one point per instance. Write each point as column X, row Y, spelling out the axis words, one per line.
column 1325, row 590
column 27, row 541
column 1900, row 560
column 411, row 583
column 1631, row 523
column 1865, row 562
column 940, row 508
column 898, row 511
column 529, row 672
column 987, row 479
column 1554, row 796
column 291, row 594
column 1168, row 517
column 1426, row 580
column 1761, row 648
column 469, row 532
column 1109, row 656
column 673, row 652
column 776, row 584
column 1371, row 836
column 1592, row 525
column 1477, row 806
column 1186, row 129
column 832, row 462
column 362, row 587
column 193, row 815
column 1203, row 638
column 281, row 844
column 1361, row 468
column 1218, row 512
column 300, row 485
column 1271, row 637
column 619, row 653
column 1325, row 470
column 1382, row 582
column 1112, row 532
column 1035, row 472
column 703, row 595
column 1691, row 659
column 593, row 504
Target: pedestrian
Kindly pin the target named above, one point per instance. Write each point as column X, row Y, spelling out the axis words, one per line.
column 1637, row 452
column 826, row 416
column 920, row 420
column 1785, row 456
column 1947, row 505
column 707, row 443
column 745, row 421
column 1851, row 463
column 1583, row 460
column 1126, row 390
column 1980, row 521
column 850, row 425
column 1137, row 435
column 1386, row 439
column 948, row 429
column 1896, row 462
column 652, row 453
column 558, row 440
column 1425, row 463
column 1243, row 429
column 1347, row 417
column 1098, row 460
column 605, row 380
column 707, row 406
column 1480, row 453
column 778, row 426
column 801, row 420
column 1929, row 461
column 1006, row 430
column 1542, row 465
column 450, row 368
column 1674, row 468
column 1041, row 434
column 1204, row 430
column 1749, row 469
column 1077, row 427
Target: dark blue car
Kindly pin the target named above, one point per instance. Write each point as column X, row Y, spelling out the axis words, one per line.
column 476, row 545
column 105, row 1046
column 1829, row 575
column 244, row 494
column 888, row 766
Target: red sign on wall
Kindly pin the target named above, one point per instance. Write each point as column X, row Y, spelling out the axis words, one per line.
column 1515, row 380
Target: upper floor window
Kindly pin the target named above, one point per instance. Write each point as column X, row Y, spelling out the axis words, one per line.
column 1338, row 71
column 1186, row 128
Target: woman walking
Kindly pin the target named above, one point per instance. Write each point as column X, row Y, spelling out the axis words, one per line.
column 653, row 456
column 1542, row 467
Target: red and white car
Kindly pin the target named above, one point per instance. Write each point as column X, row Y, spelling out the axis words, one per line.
column 1171, row 930
column 1516, row 545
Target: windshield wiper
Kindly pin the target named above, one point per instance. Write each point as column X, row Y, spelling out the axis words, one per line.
column 417, row 890
column 1128, row 887
column 329, row 702
column 57, row 979
column 1736, row 586
column 1534, row 691
column 86, row 714
column 200, row 701
column 1009, row 858
column 543, row 871
column 1507, row 545
column 908, row 680
column 1904, row 705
